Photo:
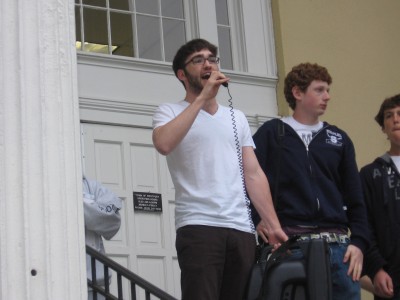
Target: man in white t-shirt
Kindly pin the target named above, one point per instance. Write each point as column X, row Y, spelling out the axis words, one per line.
column 212, row 162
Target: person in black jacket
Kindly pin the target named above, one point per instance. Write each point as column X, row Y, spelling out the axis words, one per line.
column 314, row 179
column 381, row 183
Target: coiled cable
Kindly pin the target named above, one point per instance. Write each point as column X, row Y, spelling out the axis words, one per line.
column 240, row 161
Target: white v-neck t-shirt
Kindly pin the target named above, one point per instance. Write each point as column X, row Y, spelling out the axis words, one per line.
column 205, row 170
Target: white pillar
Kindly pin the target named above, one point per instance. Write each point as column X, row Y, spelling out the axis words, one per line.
column 42, row 248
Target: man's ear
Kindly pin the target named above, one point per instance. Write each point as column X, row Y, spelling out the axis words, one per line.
column 181, row 74
column 296, row 92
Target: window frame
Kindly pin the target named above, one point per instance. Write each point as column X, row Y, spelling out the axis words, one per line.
column 200, row 21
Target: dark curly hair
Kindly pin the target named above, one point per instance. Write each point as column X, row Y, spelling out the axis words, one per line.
column 301, row 76
column 187, row 49
column 388, row 103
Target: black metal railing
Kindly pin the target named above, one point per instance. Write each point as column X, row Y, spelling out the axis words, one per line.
column 122, row 272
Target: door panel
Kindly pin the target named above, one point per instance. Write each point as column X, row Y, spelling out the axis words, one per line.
column 124, row 159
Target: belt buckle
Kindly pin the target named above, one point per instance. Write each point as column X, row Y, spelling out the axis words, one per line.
column 343, row 238
column 329, row 237
column 304, row 237
column 314, row 236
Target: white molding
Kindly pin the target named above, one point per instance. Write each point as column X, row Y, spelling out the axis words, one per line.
column 121, row 113
column 142, row 65
column 117, row 106
column 122, row 62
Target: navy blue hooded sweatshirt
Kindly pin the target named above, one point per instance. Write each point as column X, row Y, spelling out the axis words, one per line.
column 381, row 183
column 319, row 185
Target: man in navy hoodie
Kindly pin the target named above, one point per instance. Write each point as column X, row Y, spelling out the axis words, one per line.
column 381, row 183
column 314, row 179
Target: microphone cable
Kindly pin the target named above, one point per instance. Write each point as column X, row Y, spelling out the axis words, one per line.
column 240, row 160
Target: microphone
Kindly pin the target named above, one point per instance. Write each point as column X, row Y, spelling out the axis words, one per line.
column 225, row 84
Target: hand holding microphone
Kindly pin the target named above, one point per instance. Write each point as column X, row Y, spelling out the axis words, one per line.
column 225, row 84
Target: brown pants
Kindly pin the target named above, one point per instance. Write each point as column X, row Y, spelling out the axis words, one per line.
column 215, row 262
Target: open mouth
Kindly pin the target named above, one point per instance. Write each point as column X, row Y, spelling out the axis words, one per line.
column 206, row 76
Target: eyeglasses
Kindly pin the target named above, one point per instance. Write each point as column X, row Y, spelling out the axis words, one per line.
column 200, row 60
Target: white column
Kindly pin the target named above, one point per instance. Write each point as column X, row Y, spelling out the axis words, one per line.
column 42, row 248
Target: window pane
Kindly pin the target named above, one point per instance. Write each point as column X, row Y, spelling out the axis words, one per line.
column 225, row 50
column 120, row 4
column 172, row 8
column 95, row 26
column 222, row 12
column 147, row 7
column 78, row 24
column 101, row 3
column 121, row 34
column 174, row 37
column 149, row 37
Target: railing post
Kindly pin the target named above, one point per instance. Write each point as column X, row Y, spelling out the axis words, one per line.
column 123, row 273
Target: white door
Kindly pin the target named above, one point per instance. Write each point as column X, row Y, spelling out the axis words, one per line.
column 124, row 159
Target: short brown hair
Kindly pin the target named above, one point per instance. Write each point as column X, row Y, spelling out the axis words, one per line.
column 388, row 103
column 301, row 76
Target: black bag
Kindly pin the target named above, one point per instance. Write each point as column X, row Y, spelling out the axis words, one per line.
column 285, row 277
column 278, row 276
column 257, row 272
column 263, row 249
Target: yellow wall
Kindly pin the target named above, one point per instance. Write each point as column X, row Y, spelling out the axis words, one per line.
column 358, row 41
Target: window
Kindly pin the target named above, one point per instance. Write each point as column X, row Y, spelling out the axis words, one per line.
column 154, row 29
column 149, row 29
column 224, row 34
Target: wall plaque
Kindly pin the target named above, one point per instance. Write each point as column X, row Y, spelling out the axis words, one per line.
column 149, row 202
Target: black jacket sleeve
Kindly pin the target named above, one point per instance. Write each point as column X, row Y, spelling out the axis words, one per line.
column 373, row 260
